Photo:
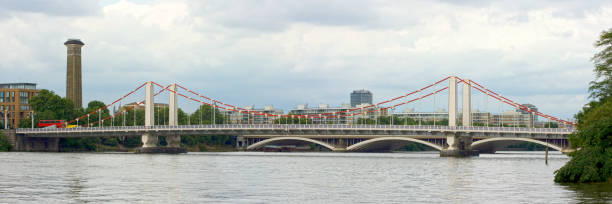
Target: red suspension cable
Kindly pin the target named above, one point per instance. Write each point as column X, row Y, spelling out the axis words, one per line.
column 106, row 106
column 515, row 104
column 309, row 115
column 128, row 109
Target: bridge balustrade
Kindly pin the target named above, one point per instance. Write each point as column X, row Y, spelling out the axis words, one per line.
column 299, row 126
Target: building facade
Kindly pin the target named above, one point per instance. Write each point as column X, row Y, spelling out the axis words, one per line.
column 322, row 113
column 73, row 72
column 15, row 102
column 479, row 118
column 251, row 115
column 137, row 106
column 359, row 97
column 512, row 119
column 423, row 116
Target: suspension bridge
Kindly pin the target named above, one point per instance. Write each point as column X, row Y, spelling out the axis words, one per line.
column 458, row 138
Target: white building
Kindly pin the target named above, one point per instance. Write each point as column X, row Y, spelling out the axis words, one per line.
column 326, row 114
column 251, row 115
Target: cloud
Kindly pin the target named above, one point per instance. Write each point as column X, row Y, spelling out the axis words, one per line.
column 53, row 8
column 292, row 52
column 276, row 16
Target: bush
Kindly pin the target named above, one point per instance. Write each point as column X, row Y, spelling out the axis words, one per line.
column 590, row 164
column 5, row 146
column 110, row 142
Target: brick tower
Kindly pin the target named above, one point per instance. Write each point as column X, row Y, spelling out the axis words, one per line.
column 73, row 73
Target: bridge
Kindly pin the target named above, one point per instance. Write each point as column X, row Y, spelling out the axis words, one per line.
column 450, row 140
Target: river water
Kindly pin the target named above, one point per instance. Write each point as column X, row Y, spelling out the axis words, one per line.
column 258, row 177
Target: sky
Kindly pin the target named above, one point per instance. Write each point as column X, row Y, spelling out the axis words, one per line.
column 291, row 52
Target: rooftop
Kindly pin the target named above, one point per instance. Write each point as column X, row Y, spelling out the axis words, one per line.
column 74, row 41
column 362, row 91
column 18, row 86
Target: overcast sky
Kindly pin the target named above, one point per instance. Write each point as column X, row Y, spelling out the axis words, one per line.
column 285, row 53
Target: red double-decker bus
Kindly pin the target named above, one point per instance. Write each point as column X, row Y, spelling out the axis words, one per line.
column 47, row 123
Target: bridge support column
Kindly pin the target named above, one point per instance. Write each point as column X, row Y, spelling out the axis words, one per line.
column 241, row 143
column 458, row 146
column 174, row 141
column 149, row 139
column 452, row 101
column 467, row 104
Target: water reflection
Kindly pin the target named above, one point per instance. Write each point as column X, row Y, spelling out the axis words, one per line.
column 592, row 193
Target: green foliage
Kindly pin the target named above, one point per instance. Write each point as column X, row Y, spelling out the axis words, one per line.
column 202, row 148
column 132, row 142
column 601, row 87
column 79, row 144
column 192, row 140
column 415, row 147
column 204, row 115
column 590, row 164
column 5, row 146
column 112, row 141
column 49, row 106
column 528, row 146
column 593, row 161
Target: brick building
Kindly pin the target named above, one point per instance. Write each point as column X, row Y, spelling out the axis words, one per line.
column 14, row 102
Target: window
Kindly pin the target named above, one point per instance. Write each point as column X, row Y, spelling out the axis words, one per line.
column 23, row 97
column 1, row 97
column 24, row 108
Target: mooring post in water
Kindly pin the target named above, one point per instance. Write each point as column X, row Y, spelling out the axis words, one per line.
column 546, row 156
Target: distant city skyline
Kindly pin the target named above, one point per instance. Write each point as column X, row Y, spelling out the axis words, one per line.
column 283, row 54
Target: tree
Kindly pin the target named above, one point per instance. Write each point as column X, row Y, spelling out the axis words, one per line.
column 601, row 87
column 49, row 106
column 5, row 146
column 204, row 115
column 593, row 161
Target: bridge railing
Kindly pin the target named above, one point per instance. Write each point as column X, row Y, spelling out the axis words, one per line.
column 297, row 126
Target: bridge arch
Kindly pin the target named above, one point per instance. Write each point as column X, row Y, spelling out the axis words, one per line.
column 268, row 141
column 480, row 143
column 365, row 143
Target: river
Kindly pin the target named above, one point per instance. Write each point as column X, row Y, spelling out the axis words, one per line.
column 258, row 177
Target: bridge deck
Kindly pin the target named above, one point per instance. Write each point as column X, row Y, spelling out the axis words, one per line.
column 297, row 129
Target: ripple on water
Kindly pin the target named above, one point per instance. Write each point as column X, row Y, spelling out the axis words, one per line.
column 259, row 177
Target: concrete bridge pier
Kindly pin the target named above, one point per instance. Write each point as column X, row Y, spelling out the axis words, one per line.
column 241, row 143
column 458, row 146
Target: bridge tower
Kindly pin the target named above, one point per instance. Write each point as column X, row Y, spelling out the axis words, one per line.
column 452, row 101
column 467, row 104
column 174, row 141
column 458, row 145
column 148, row 138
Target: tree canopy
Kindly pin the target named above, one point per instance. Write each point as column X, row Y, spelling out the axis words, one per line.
column 593, row 161
column 49, row 106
